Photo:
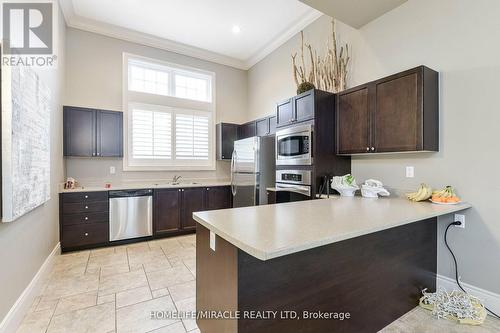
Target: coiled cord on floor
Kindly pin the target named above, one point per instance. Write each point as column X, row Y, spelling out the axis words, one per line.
column 456, row 264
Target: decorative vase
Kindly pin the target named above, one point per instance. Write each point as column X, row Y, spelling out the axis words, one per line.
column 304, row 86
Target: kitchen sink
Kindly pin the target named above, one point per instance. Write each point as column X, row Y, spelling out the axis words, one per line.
column 177, row 183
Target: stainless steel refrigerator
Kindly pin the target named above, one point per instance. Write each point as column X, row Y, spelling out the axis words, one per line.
column 253, row 169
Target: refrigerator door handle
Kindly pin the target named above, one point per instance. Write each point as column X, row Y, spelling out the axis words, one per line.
column 233, row 166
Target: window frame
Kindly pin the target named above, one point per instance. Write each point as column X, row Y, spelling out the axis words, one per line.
column 168, row 104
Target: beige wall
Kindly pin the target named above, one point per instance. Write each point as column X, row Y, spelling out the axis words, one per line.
column 458, row 39
column 271, row 79
column 27, row 242
column 94, row 79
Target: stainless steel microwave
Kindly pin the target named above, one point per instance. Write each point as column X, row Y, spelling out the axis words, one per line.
column 294, row 145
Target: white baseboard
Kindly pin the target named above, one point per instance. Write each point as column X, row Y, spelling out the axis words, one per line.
column 16, row 314
column 490, row 299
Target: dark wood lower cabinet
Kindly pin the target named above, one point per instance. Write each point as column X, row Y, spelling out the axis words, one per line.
column 84, row 216
column 193, row 200
column 85, row 234
column 83, row 220
column 167, row 212
column 218, row 197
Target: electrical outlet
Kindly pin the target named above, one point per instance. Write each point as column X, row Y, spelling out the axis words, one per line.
column 410, row 172
column 112, row 170
column 460, row 218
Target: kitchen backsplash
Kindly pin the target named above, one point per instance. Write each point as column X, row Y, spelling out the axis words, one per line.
column 86, row 170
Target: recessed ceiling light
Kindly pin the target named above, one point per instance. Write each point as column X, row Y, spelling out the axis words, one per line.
column 236, row 29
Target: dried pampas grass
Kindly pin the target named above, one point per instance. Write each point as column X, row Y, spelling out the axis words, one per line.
column 327, row 73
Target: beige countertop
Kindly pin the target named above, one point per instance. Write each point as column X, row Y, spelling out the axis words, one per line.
column 272, row 231
column 148, row 184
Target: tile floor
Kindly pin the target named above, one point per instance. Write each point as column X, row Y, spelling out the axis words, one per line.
column 114, row 289
column 419, row 320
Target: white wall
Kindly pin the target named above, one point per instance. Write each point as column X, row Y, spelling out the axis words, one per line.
column 26, row 242
column 271, row 80
column 94, row 79
column 460, row 40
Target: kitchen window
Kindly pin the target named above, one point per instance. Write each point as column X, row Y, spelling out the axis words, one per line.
column 170, row 116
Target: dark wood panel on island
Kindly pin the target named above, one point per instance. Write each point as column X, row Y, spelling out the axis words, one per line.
column 375, row 278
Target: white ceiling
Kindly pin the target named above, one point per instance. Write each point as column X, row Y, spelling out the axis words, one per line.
column 203, row 28
column 200, row 28
column 356, row 13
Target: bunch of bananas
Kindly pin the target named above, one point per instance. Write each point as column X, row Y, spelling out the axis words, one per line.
column 447, row 192
column 446, row 195
column 424, row 193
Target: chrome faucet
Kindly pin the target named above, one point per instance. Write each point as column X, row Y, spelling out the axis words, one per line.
column 176, row 178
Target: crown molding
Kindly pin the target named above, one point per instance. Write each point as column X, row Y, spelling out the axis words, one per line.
column 81, row 23
column 285, row 36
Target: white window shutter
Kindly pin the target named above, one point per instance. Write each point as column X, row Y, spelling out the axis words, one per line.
column 192, row 136
column 151, row 134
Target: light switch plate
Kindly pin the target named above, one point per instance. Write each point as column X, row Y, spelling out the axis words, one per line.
column 212, row 241
column 410, row 172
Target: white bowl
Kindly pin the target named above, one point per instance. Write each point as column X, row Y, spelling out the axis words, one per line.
column 346, row 191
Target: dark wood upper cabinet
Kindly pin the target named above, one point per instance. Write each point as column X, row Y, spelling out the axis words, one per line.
column 218, row 197
column 296, row 109
column 247, row 130
column 92, row 133
column 226, row 135
column 272, row 125
column 167, row 211
column 262, row 127
column 109, row 133
column 284, row 113
column 354, row 115
column 79, row 131
column 193, row 200
column 304, row 106
column 399, row 113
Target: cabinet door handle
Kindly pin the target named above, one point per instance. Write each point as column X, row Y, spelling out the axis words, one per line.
column 208, row 189
column 373, row 148
column 86, row 197
column 367, row 148
column 86, row 218
column 86, row 234
column 86, row 207
column 179, row 190
column 182, row 190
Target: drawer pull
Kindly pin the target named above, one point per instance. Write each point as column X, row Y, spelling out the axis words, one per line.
column 86, row 218
column 86, row 197
column 86, row 207
column 86, row 234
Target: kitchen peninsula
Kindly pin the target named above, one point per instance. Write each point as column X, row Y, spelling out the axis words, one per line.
column 366, row 257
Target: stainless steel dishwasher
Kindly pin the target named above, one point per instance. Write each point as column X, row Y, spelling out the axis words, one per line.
column 130, row 214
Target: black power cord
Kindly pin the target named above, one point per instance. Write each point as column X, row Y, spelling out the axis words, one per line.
column 456, row 264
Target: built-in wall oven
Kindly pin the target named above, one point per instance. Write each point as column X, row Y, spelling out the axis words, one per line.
column 293, row 185
column 294, row 145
